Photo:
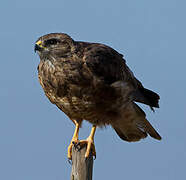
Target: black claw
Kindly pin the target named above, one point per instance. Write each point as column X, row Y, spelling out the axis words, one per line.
column 73, row 143
column 78, row 147
column 70, row 161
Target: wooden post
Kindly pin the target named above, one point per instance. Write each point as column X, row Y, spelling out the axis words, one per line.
column 81, row 167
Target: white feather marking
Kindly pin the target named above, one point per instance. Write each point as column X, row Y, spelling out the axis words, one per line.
column 51, row 66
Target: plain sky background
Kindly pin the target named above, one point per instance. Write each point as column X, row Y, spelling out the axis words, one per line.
column 34, row 134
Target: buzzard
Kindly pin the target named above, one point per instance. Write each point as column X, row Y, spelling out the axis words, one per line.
column 91, row 81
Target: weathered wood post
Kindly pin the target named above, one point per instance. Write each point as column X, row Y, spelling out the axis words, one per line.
column 81, row 167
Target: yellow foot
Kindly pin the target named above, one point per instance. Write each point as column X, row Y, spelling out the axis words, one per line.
column 78, row 144
column 90, row 147
column 72, row 143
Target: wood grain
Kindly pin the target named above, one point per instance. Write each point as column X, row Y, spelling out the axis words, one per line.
column 82, row 168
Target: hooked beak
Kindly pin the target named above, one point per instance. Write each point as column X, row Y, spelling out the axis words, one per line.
column 38, row 46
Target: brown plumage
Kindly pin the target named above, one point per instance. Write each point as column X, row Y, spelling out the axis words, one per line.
column 91, row 81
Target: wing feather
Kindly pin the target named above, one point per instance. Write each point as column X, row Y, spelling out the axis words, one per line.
column 110, row 66
column 107, row 64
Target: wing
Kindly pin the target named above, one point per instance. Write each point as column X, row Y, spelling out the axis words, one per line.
column 110, row 66
column 107, row 64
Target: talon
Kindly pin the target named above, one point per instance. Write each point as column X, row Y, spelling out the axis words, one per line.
column 90, row 147
column 73, row 143
column 69, row 161
column 78, row 144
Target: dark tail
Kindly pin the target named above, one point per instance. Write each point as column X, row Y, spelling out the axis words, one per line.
column 133, row 126
column 147, row 97
column 151, row 96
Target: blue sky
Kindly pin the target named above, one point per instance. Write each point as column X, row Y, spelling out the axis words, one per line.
column 34, row 134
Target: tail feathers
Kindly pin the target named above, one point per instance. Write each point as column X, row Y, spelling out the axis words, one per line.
column 147, row 96
column 143, row 124
column 134, row 135
column 152, row 97
column 133, row 126
column 150, row 130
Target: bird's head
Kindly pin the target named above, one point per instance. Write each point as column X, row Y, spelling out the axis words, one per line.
column 55, row 44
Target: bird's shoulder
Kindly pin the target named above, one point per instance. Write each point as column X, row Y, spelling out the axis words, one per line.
column 100, row 51
column 105, row 62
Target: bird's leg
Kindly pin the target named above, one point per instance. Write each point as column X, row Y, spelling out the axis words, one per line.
column 74, row 139
column 90, row 143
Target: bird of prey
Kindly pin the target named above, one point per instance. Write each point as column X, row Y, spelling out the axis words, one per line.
column 91, row 81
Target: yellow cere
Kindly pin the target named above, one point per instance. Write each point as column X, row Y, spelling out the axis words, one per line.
column 39, row 43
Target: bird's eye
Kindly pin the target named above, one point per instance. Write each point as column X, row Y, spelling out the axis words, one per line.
column 51, row 42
